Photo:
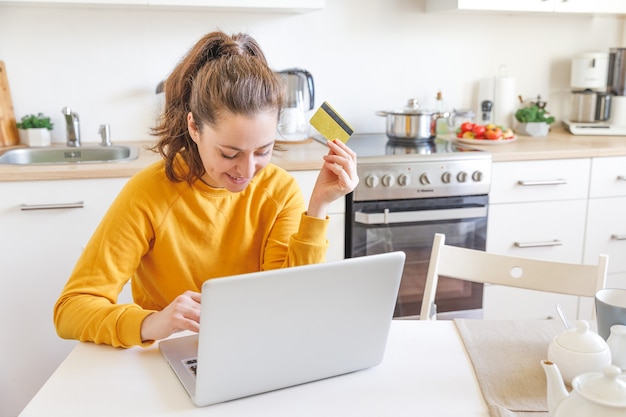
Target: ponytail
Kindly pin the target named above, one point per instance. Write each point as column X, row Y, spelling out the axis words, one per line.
column 219, row 74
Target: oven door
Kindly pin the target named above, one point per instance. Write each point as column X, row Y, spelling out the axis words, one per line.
column 410, row 226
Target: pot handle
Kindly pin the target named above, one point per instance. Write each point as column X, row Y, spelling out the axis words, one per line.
column 382, row 113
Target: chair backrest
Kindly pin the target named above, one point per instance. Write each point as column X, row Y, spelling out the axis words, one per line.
column 479, row 266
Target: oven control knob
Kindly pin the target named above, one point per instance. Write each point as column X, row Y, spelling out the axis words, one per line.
column 404, row 180
column 461, row 176
column 477, row 176
column 371, row 181
column 424, row 180
column 388, row 180
column 446, row 177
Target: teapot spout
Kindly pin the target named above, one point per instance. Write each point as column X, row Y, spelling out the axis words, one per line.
column 556, row 387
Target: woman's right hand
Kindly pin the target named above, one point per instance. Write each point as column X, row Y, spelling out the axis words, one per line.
column 181, row 314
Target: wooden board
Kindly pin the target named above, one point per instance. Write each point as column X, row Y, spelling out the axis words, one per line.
column 8, row 129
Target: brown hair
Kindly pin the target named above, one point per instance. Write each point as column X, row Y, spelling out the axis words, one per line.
column 220, row 73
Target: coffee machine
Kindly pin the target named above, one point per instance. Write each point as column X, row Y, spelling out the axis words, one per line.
column 598, row 97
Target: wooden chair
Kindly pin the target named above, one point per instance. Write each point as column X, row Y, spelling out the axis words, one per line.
column 478, row 266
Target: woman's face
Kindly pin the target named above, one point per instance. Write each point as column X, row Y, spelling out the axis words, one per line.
column 235, row 149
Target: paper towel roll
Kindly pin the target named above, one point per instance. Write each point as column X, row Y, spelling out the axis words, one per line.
column 505, row 99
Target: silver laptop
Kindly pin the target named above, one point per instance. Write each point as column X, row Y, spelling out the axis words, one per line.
column 269, row 330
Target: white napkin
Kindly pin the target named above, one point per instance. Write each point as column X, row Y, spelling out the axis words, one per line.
column 506, row 356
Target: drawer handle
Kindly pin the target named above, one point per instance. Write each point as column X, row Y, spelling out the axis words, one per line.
column 554, row 242
column 542, row 182
column 621, row 177
column 618, row 237
column 52, row 206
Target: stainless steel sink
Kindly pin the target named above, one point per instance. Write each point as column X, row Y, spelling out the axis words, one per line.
column 69, row 155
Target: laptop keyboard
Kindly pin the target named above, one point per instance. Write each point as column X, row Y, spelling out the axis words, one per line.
column 191, row 365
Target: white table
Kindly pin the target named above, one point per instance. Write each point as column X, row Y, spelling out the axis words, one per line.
column 426, row 372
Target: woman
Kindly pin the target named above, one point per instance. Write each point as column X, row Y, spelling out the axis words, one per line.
column 214, row 206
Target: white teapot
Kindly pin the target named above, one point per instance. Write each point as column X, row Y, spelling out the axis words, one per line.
column 595, row 394
column 578, row 350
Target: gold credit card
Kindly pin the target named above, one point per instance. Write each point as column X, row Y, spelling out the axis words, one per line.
column 330, row 124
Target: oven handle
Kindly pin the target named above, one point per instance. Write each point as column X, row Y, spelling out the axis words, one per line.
column 419, row 216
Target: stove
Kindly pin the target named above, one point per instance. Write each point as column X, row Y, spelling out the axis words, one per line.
column 391, row 169
column 407, row 192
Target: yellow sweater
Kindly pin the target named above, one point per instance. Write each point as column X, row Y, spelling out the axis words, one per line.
column 170, row 237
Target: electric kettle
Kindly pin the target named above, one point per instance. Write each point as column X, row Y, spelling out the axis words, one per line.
column 299, row 99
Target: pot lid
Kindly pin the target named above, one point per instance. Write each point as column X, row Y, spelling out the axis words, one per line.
column 581, row 339
column 607, row 387
column 412, row 108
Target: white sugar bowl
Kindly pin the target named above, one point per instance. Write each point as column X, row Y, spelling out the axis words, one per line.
column 579, row 350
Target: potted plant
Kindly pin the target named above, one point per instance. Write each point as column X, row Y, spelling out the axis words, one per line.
column 35, row 130
column 534, row 119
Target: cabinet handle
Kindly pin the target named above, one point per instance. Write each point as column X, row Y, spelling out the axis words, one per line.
column 542, row 182
column 621, row 177
column 618, row 237
column 52, row 206
column 554, row 242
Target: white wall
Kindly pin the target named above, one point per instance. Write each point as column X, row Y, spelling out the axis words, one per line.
column 364, row 55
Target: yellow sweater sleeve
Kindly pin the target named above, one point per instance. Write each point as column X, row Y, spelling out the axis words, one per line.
column 167, row 238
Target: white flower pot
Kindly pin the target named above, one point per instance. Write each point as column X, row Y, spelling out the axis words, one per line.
column 533, row 129
column 35, row 137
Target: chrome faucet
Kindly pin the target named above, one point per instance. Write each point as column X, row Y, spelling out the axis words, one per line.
column 73, row 127
column 105, row 135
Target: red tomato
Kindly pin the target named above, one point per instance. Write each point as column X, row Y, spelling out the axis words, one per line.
column 492, row 134
column 467, row 127
column 479, row 131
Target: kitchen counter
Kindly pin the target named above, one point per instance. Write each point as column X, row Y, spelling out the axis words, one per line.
column 559, row 144
column 293, row 157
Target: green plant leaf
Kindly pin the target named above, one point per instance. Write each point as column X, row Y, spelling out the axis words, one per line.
column 31, row 121
column 533, row 114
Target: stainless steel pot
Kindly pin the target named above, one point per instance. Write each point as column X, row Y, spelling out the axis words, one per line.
column 411, row 123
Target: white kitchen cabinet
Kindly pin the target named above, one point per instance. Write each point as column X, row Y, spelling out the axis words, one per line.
column 537, row 210
column 546, row 6
column 606, row 227
column 336, row 213
column 83, row 2
column 39, row 248
column 590, row 6
column 287, row 6
column 490, row 5
column 298, row 6
column 528, row 181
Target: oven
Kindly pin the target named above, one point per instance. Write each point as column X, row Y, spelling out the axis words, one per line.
column 409, row 192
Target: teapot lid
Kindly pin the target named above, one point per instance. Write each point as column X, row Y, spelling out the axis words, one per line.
column 607, row 387
column 581, row 339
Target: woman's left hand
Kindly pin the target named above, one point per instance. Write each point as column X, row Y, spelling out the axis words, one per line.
column 337, row 178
